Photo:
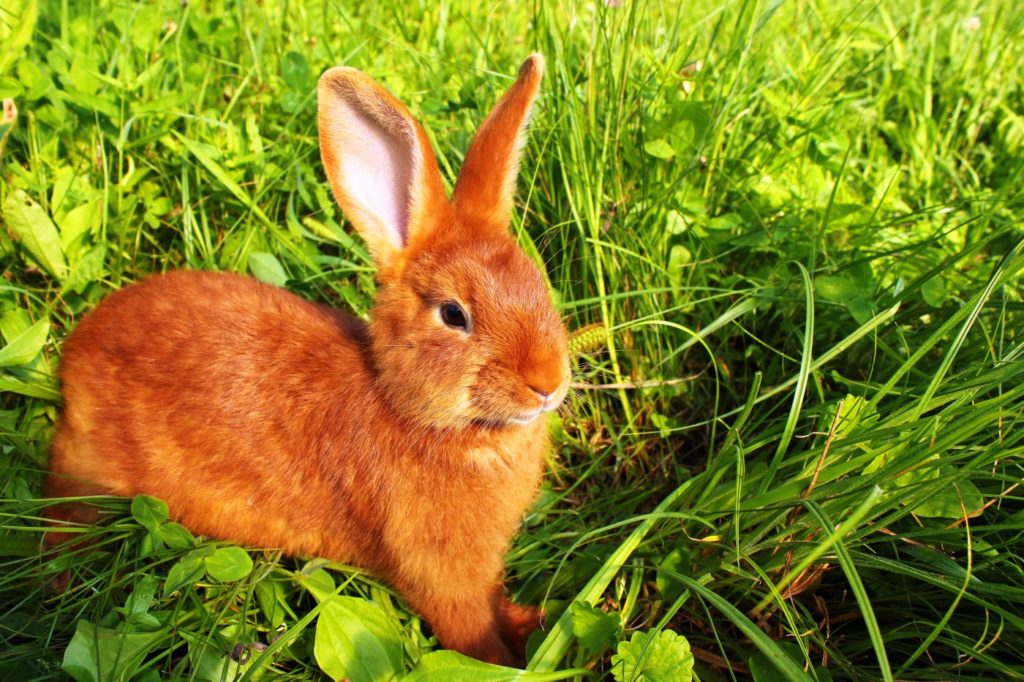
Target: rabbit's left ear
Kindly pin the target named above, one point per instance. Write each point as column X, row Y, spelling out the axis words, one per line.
column 487, row 181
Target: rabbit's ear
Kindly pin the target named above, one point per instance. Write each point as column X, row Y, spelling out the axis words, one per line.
column 487, row 181
column 378, row 161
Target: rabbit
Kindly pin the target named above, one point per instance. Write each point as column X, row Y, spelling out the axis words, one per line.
column 410, row 445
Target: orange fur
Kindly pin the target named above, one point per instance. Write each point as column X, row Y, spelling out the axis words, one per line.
column 498, row 143
column 404, row 445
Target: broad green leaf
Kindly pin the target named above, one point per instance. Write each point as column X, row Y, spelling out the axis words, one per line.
column 945, row 501
column 355, row 639
column 319, row 582
column 689, row 127
column 861, row 309
column 149, row 512
column 37, row 233
column 934, row 292
column 839, row 289
column 61, row 194
column 13, row 322
column 595, row 629
column 228, row 563
column 675, row 561
column 98, row 654
column 189, row 569
column 74, row 226
column 45, row 389
column 291, row 101
column 252, row 134
column 450, row 666
column 9, row 89
column 659, row 148
column 145, row 26
column 678, row 257
column 664, row 656
column 855, row 410
column 295, row 71
column 676, row 223
column 666, row 424
column 142, row 595
column 175, row 535
column 25, row 346
column 37, row 82
column 136, row 608
column 266, row 268
column 944, row 497
column 87, row 269
column 271, row 597
column 84, row 81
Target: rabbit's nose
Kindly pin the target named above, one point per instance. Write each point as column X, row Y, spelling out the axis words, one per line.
column 545, row 383
column 544, row 371
column 542, row 392
column 549, row 400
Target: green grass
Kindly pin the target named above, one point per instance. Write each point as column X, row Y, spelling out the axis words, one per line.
column 795, row 223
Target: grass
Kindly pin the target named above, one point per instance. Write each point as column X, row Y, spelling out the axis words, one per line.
column 794, row 223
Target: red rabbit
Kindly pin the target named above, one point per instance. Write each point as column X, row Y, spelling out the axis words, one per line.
column 410, row 444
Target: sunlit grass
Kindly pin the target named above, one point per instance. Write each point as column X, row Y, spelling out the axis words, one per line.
column 792, row 437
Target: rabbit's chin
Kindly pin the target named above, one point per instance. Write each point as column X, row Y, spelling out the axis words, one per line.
column 512, row 419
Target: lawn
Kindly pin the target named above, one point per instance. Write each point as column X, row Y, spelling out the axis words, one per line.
column 789, row 232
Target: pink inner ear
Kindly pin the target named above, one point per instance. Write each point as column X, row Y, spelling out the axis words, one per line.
column 377, row 163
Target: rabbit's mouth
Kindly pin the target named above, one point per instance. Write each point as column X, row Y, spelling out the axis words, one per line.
column 526, row 417
column 500, row 400
column 549, row 403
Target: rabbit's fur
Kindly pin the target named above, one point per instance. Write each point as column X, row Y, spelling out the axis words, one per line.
column 407, row 445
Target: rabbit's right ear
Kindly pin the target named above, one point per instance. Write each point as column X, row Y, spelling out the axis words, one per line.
column 379, row 163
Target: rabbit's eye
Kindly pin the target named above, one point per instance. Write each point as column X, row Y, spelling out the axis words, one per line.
column 453, row 315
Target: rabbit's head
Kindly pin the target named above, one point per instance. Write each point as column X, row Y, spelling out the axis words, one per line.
column 463, row 331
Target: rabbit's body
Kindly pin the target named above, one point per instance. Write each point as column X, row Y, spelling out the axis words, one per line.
column 410, row 445
column 254, row 415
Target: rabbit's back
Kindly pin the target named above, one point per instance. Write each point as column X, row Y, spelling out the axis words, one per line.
column 221, row 395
